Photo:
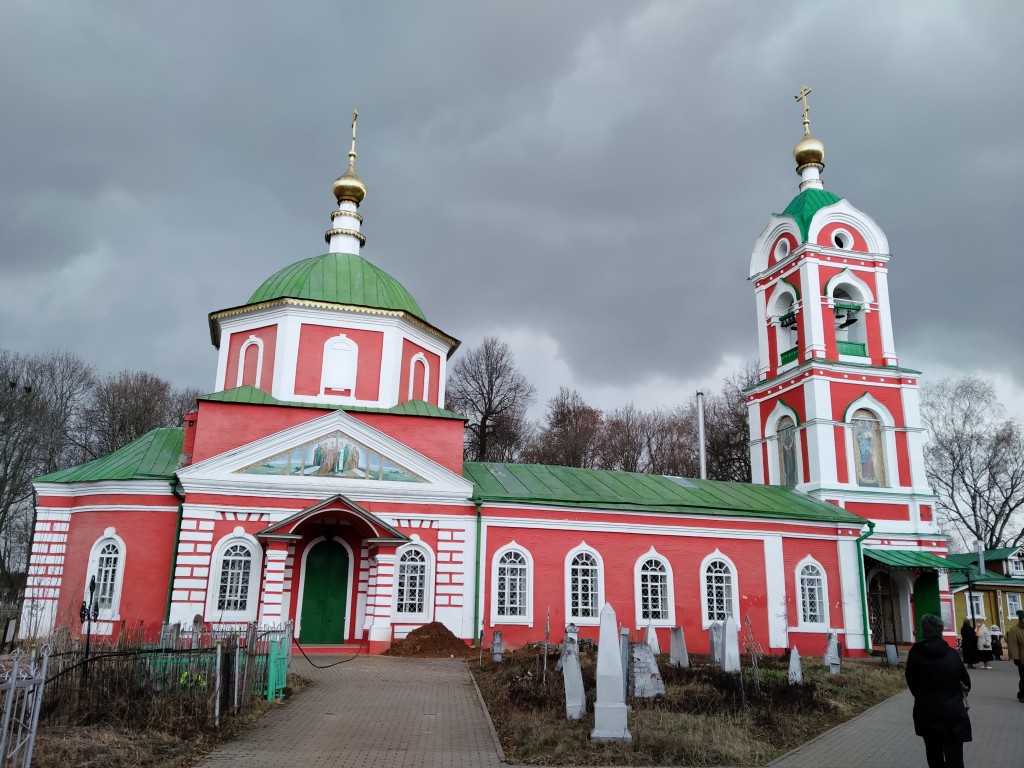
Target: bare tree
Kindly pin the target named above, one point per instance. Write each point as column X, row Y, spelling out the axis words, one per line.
column 974, row 459
column 672, row 443
column 570, row 434
column 486, row 386
column 624, row 438
column 727, row 429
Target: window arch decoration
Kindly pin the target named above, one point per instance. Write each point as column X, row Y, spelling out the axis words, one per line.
column 341, row 363
column 848, row 217
column 764, row 248
column 812, row 591
column 584, row 585
column 719, row 589
column 414, row 578
column 419, row 359
column 653, row 588
column 236, row 570
column 871, row 445
column 782, row 413
column 850, row 299
column 512, row 586
column 252, row 341
column 106, row 563
column 783, row 308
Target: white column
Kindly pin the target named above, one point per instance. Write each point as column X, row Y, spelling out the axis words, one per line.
column 346, row 219
column 775, row 582
column 810, row 299
column 885, row 317
column 380, row 600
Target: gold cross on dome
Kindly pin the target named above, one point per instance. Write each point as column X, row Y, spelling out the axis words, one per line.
column 355, row 116
column 802, row 96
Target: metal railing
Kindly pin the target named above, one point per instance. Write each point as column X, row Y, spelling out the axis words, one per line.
column 21, row 688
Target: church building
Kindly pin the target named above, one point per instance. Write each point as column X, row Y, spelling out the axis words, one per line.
column 322, row 480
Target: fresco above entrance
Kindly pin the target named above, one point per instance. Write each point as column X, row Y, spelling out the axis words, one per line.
column 333, row 455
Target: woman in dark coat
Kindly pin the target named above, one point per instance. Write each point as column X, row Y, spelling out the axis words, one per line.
column 969, row 644
column 937, row 678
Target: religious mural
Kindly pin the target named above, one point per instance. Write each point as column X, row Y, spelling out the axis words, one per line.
column 786, row 430
column 334, row 455
column 867, row 442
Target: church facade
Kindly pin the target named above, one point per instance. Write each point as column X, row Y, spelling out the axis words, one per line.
column 322, row 480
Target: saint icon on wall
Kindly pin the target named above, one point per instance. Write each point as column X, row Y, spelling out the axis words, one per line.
column 786, row 431
column 867, row 447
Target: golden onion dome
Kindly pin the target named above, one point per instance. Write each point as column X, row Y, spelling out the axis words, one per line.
column 809, row 151
column 349, row 186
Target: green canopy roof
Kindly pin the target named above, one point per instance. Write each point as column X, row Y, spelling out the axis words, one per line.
column 154, row 456
column 250, row 395
column 340, row 278
column 805, row 205
column 609, row 489
column 905, row 558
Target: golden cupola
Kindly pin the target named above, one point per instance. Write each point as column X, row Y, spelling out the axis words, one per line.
column 809, row 150
column 349, row 187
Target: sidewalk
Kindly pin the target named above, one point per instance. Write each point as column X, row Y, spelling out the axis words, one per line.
column 883, row 737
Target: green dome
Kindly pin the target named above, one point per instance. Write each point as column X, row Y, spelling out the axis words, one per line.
column 341, row 278
column 806, row 204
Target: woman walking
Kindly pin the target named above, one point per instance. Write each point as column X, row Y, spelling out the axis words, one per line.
column 969, row 644
column 938, row 680
column 997, row 643
column 984, row 646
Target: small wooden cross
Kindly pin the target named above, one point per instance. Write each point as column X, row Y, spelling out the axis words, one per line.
column 802, row 96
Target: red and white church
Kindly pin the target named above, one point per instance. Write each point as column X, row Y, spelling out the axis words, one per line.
column 322, row 481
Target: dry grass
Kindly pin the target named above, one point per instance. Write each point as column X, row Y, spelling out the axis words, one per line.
column 707, row 717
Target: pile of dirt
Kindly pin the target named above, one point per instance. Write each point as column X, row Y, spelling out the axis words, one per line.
column 431, row 641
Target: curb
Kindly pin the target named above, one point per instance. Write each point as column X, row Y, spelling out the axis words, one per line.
column 487, row 716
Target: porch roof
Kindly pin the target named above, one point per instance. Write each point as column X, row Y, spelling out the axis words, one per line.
column 905, row 558
column 372, row 527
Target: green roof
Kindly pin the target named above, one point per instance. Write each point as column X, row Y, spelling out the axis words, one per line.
column 340, row 278
column 904, row 558
column 970, row 566
column 249, row 395
column 154, row 456
column 805, row 205
column 610, row 489
column 995, row 554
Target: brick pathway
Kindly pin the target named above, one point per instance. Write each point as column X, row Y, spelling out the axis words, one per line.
column 372, row 712
column 883, row 737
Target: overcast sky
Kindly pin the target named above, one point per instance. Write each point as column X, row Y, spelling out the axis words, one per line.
column 583, row 179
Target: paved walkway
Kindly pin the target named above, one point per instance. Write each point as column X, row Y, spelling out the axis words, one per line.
column 373, row 712
column 883, row 737
column 379, row 712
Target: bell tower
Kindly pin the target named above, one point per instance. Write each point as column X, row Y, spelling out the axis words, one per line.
column 833, row 413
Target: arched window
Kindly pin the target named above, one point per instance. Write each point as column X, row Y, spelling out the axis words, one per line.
column 341, row 356
column 786, row 324
column 718, row 591
column 411, row 582
column 584, row 587
column 250, row 362
column 419, row 377
column 512, row 586
column 868, row 454
column 654, row 587
column 848, row 316
column 785, row 430
column 106, row 565
column 812, row 595
column 235, row 574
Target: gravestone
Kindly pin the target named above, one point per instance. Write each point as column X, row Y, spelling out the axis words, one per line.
column 678, row 657
column 652, row 640
column 731, row 646
column 644, row 675
column 572, row 677
column 610, row 708
column 796, row 672
column 832, row 658
column 624, row 655
column 571, row 632
column 715, row 642
column 169, row 635
column 497, row 646
column 892, row 655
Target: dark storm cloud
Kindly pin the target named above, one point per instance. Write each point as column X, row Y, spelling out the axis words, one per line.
column 595, row 172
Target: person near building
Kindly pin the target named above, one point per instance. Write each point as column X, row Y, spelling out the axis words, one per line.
column 1015, row 646
column 984, row 646
column 997, row 642
column 969, row 644
column 938, row 680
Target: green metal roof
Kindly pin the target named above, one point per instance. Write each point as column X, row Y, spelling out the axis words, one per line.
column 249, row 395
column 154, row 456
column 969, row 563
column 903, row 558
column 803, row 207
column 609, row 489
column 340, row 278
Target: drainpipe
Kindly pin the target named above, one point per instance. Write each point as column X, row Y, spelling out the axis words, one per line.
column 174, row 552
column 477, row 639
column 864, row 586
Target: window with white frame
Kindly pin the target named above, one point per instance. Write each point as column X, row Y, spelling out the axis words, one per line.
column 235, row 575
column 1016, row 566
column 411, row 583
column 654, row 587
column 106, row 566
column 513, row 585
column 718, row 591
column 812, row 595
column 584, row 587
column 977, row 606
column 1013, row 603
column 341, row 358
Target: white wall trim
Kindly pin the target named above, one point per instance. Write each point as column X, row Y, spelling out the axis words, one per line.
column 641, row 622
column 583, row 621
column 256, row 341
column 527, row 617
column 735, row 586
column 113, row 613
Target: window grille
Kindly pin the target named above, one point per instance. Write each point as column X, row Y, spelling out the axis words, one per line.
column 235, row 569
column 653, row 591
column 583, row 586
column 106, row 575
column 512, row 584
column 812, row 595
column 412, row 582
column 718, row 588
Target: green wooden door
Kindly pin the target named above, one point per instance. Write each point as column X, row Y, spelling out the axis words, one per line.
column 926, row 599
column 324, row 593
